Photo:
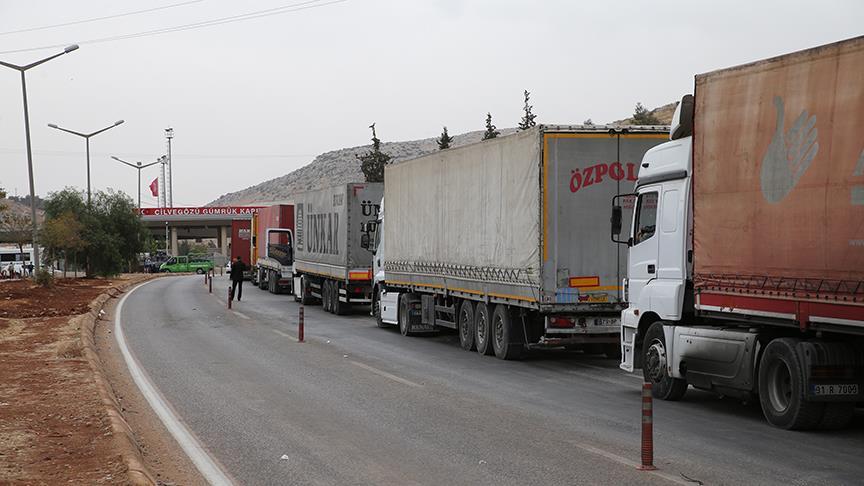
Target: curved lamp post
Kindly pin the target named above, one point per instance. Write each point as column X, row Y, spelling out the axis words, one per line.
column 139, row 166
column 22, row 70
column 86, row 137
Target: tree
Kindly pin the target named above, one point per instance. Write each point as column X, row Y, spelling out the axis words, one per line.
column 111, row 229
column 641, row 116
column 588, row 123
column 444, row 140
column 491, row 130
column 62, row 237
column 528, row 118
column 16, row 228
column 372, row 162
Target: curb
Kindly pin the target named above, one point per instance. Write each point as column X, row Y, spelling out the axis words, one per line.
column 137, row 470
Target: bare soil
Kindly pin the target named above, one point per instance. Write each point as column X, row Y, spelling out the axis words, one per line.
column 67, row 297
column 53, row 426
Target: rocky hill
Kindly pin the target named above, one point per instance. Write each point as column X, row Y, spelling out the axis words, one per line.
column 342, row 166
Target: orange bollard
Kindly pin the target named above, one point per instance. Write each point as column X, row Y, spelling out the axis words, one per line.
column 647, row 429
column 300, row 326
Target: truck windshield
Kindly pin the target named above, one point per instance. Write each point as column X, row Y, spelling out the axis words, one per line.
column 646, row 217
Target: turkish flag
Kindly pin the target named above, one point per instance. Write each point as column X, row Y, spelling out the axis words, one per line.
column 154, row 187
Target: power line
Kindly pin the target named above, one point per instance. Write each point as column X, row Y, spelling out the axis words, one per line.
column 296, row 7
column 98, row 19
column 148, row 156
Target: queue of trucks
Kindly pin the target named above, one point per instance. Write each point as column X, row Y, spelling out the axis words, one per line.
column 740, row 270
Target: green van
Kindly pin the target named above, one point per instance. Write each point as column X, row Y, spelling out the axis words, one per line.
column 191, row 263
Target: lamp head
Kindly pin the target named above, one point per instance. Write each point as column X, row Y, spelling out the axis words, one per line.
column 52, row 125
column 70, row 48
column 118, row 122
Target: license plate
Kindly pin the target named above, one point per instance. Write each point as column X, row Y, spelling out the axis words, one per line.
column 606, row 322
column 822, row 390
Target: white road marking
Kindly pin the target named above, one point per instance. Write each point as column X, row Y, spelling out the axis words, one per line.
column 385, row 374
column 242, row 315
column 277, row 331
column 206, row 464
column 627, row 462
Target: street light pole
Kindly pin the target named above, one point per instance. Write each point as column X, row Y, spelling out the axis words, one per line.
column 139, row 166
column 86, row 137
column 22, row 70
column 169, row 134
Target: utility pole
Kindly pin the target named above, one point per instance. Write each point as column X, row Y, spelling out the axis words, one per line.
column 169, row 134
column 22, row 70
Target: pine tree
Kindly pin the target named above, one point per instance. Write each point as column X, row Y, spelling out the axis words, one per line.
column 528, row 119
column 372, row 162
column 444, row 140
column 641, row 116
column 491, row 130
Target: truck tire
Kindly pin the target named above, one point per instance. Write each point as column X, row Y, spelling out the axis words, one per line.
column 404, row 315
column 506, row 336
column 339, row 308
column 262, row 284
column 271, row 281
column 654, row 370
column 305, row 298
column 325, row 295
column 199, row 271
column 376, row 308
column 782, row 388
column 482, row 329
column 465, row 322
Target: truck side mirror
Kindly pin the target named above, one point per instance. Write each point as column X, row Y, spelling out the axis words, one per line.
column 616, row 220
column 364, row 240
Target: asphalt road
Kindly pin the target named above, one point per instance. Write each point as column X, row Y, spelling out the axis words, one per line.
column 360, row 405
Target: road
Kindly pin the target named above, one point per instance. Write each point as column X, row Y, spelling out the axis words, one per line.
column 360, row 405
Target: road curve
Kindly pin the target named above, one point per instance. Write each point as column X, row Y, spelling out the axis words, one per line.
column 362, row 405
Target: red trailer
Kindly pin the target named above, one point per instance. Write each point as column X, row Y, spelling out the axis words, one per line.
column 241, row 242
column 272, row 247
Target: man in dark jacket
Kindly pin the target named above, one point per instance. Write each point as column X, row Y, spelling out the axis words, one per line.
column 237, row 269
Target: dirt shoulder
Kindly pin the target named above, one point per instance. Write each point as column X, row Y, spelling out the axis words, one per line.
column 54, row 426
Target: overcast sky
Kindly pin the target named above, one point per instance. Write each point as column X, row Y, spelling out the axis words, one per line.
column 256, row 99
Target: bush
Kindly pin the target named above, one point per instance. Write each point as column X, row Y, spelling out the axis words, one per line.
column 44, row 278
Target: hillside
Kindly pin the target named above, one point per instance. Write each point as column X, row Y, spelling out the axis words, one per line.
column 341, row 166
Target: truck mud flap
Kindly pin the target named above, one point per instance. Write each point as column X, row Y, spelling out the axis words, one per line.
column 834, row 371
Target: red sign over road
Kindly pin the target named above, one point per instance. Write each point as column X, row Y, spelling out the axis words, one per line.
column 203, row 211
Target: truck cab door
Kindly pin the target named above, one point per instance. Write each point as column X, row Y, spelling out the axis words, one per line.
column 644, row 249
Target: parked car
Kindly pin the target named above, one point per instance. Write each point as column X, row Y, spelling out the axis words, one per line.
column 191, row 263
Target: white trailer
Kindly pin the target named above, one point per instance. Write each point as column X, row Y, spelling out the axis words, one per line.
column 506, row 240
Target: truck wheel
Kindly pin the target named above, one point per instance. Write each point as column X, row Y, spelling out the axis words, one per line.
column 506, row 339
column 404, row 316
column 376, row 308
column 339, row 308
column 262, row 284
column 199, row 271
column 482, row 329
column 325, row 295
column 782, row 389
column 465, row 322
column 654, row 361
column 305, row 299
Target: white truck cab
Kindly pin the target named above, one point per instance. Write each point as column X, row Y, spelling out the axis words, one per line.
column 659, row 248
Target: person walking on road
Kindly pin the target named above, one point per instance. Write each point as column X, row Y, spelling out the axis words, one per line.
column 237, row 268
